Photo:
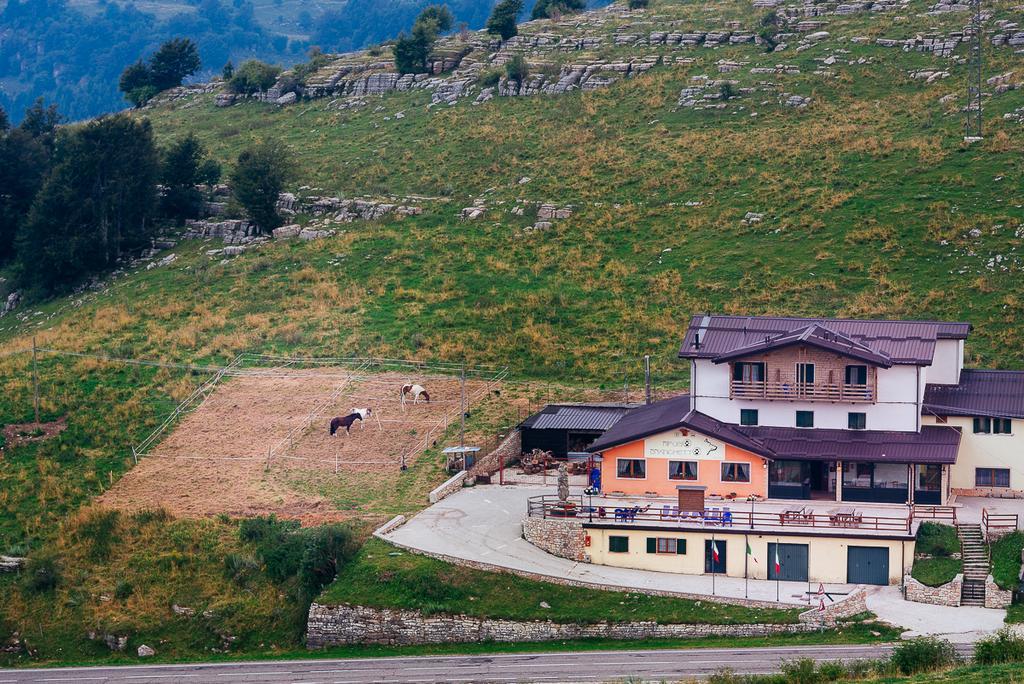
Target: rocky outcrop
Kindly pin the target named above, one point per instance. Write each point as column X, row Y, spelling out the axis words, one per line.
column 232, row 232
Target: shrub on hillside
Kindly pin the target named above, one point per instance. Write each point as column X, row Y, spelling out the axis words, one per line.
column 253, row 76
column 1002, row 647
column 98, row 529
column 517, row 69
column 169, row 65
column 490, row 78
column 923, row 654
column 257, row 181
column 413, row 50
column 639, row 4
column 42, row 574
column 327, row 548
column 553, row 9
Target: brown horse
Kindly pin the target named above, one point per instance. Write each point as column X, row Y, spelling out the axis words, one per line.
column 345, row 422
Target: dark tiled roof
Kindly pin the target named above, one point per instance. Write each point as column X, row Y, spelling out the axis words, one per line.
column 815, row 335
column 934, row 444
column 644, row 421
column 597, row 417
column 903, row 342
column 994, row 393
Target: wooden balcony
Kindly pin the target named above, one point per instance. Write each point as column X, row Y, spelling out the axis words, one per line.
column 802, row 391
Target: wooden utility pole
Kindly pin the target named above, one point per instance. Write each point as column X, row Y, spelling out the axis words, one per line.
column 462, row 411
column 647, row 378
column 35, row 379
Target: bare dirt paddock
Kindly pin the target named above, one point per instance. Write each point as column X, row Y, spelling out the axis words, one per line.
column 216, row 460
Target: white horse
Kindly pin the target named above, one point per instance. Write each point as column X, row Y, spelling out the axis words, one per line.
column 416, row 391
column 364, row 413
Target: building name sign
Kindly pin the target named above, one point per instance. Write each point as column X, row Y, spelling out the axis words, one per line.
column 676, row 446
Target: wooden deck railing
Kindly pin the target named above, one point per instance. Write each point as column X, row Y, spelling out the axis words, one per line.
column 998, row 522
column 579, row 508
column 807, row 391
column 942, row 513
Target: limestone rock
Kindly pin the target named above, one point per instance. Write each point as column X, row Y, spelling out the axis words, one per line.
column 146, row 651
column 286, row 99
column 285, row 232
column 224, row 99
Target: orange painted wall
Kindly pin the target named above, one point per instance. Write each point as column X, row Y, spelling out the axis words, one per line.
column 709, row 473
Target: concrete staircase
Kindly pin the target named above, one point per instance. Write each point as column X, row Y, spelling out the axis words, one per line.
column 974, row 553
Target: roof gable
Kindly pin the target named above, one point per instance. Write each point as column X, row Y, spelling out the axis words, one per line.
column 903, row 342
column 814, row 335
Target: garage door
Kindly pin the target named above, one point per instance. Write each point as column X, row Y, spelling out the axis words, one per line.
column 792, row 562
column 867, row 565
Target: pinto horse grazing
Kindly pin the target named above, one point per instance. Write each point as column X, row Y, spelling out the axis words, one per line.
column 416, row 391
column 345, row 422
column 364, row 413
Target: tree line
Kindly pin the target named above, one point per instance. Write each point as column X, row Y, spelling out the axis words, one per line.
column 76, row 200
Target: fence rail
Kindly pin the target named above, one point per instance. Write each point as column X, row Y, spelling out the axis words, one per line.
column 999, row 522
column 580, row 507
column 936, row 513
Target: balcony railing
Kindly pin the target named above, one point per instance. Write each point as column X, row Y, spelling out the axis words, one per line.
column 802, row 391
column 580, row 508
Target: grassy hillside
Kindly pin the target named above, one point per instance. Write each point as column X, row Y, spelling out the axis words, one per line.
column 871, row 204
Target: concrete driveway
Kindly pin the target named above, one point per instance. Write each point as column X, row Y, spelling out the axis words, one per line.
column 484, row 524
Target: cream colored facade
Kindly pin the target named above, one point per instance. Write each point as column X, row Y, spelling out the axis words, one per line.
column 984, row 451
column 826, row 556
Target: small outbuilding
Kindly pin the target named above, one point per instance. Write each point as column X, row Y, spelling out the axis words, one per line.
column 567, row 430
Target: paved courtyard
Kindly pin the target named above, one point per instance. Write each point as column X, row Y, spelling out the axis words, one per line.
column 484, row 524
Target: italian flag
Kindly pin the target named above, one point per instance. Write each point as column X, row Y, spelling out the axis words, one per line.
column 778, row 565
column 750, row 552
column 714, row 551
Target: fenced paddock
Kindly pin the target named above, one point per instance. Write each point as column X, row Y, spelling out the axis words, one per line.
column 254, row 438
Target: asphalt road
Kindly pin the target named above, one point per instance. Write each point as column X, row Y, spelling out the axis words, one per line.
column 595, row 666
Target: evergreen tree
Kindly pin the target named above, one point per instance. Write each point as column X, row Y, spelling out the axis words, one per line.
column 95, row 205
column 169, row 65
column 176, row 59
column 24, row 161
column 544, row 9
column 41, row 123
column 502, row 21
column 413, row 50
column 257, row 181
column 228, row 71
column 182, row 167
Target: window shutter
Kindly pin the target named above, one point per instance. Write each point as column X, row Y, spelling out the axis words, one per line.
column 977, row 425
column 652, row 545
column 680, row 546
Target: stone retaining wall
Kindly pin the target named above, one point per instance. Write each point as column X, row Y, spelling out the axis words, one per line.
column 948, row 594
column 996, row 597
column 448, row 487
column 346, row 624
column 854, row 604
column 510, row 448
column 562, row 537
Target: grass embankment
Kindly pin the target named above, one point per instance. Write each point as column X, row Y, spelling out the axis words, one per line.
column 933, row 562
column 383, row 576
column 1006, row 563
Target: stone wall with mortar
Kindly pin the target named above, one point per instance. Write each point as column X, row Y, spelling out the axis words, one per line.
column 346, row 624
column 510, row 449
column 947, row 594
column 562, row 537
column 996, row 597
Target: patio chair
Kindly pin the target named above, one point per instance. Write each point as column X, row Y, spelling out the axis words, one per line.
column 666, row 512
column 726, row 517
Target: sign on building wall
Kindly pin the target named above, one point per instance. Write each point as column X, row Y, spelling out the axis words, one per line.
column 677, row 446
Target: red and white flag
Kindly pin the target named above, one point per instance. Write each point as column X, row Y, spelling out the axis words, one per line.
column 778, row 565
column 714, row 551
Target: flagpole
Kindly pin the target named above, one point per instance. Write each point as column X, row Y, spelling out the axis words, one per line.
column 746, row 562
column 777, row 568
column 714, row 552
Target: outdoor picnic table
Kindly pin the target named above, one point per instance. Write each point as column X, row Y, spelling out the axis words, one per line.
column 844, row 516
column 795, row 515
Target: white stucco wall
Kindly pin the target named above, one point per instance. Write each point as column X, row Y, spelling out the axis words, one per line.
column 900, row 390
column 947, row 362
column 985, row 451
